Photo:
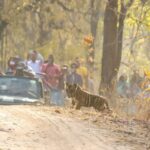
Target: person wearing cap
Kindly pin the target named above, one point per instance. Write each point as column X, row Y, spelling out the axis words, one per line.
column 73, row 77
column 23, row 70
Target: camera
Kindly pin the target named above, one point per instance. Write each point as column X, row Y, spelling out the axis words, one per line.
column 20, row 69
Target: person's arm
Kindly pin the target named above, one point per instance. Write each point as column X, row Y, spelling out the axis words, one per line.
column 80, row 81
column 40, row 58
column 1, row 73
column 29, row 72
column 68, row 80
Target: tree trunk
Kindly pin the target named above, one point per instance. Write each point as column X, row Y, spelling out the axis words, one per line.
column 3, row 25
column 122, row 15
column 108, row 73
column 120, row 36
column 112, row 44
column 95, row 11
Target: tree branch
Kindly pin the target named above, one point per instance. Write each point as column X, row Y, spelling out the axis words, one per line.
column 63, row 6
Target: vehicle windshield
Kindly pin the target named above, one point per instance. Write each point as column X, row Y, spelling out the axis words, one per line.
column 20, row 87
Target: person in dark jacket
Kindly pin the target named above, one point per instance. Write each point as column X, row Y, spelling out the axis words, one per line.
column 73, row 77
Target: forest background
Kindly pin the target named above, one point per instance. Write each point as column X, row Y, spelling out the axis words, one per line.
column 60, row 27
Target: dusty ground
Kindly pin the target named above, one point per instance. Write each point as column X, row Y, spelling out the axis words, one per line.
column 44, row 128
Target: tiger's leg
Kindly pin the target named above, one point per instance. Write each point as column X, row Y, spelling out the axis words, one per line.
column 104, row 105
column 97, row 104
column 78, row 105
column 73, row 102
column 107, row 106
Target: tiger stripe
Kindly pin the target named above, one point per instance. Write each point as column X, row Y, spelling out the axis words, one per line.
column 86, row 99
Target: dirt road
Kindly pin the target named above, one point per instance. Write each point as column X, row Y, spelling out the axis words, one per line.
column 44, row 128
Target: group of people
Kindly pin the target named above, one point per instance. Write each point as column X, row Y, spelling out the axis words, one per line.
column 53, row 75
column 134, row 87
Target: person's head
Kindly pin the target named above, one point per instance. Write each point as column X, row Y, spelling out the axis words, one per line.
column 122, row 78
column 50, row 59
column 34, row 56
column 21, row 65
column 64, row 69
column 73, row 67
column 77, row 61
column 82, row 61
column 13, row 61
column 19, row 68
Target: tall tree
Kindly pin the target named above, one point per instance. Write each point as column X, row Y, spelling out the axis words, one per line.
column 95, row 14
column 122, row 16
column 109, row 44
column 3, row 24
column 113, row 40
column 95, row 6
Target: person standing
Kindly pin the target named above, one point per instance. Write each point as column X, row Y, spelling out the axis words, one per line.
column 12, row 64
column 53, row 73
column 82, row 70
column 35, row 64
column 122, row 86
column 39, row 56
column 73, row 77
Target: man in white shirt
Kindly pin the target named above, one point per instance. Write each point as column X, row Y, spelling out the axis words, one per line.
column 39, row 56
column 35, row 64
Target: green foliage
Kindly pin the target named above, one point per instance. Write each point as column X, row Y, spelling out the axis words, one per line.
column 136, row 35
column 139, row 14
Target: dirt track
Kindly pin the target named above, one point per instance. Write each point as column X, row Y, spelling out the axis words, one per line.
column 44, row 128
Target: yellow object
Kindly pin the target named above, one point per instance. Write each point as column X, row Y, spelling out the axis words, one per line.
column 82, row 71
column 147, row 73
column 147, row 89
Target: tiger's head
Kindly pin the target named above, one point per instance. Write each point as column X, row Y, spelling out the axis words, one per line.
column 71, row 89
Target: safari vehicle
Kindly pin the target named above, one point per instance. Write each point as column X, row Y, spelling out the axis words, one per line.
column 21, row 90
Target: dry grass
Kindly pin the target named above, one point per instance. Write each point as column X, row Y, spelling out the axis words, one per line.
column 131, row 109
column 143, row 107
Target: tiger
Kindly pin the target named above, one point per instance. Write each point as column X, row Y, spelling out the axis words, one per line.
column 81, row 98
